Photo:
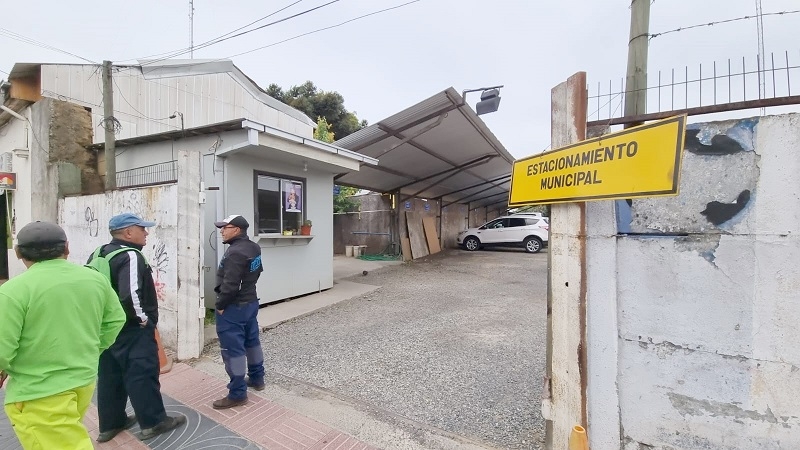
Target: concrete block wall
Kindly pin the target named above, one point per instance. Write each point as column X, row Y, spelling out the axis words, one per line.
column 708, row 299
column 374, row 216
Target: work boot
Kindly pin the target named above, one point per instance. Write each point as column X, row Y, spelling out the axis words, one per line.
column 256, row 386
column 169, row 423
column 106, row 436
column 225, row 403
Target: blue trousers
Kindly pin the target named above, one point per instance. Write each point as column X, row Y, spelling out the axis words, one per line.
column 237, row 329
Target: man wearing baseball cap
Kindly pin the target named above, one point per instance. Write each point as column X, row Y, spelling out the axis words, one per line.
column 55, row 320
column 237, row 311
column 129, row 369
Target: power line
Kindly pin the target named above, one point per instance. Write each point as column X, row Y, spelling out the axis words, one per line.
column 143, row 115
column 216, row 41
column 321, row 29
column 18, row 37
column 218, row 37
column 721, row 21
column 326, row 28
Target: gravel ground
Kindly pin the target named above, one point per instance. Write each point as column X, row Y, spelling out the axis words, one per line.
column 456, row 342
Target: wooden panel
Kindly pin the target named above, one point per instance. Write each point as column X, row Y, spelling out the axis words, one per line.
column 429, row 225
column 419, row 247
column 405, row 245
column 27, row 88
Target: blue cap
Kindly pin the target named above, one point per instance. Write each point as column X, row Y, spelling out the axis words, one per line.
column 126, row 220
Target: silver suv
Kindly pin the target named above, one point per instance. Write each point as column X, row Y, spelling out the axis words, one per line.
column 529, row 231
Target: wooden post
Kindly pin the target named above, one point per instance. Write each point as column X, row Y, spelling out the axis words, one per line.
column 636, row 80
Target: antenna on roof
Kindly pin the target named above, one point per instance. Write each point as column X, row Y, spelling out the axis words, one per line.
column 191, row 29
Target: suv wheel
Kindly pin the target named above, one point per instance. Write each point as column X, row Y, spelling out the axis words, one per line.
column 472, row 243
column 533, row 244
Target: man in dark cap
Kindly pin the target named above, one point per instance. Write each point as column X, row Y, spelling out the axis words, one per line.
column 237, row 311
column 55, row 320
column 129, row 369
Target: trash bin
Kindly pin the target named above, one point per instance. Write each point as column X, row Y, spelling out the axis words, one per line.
column 356, row 251
column 348, row 250
column 362, row 250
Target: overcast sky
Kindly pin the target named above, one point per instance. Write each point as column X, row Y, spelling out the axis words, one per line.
column 387, row 62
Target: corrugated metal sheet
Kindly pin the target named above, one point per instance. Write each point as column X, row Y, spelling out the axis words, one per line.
column 144, row 106
column 431, row 164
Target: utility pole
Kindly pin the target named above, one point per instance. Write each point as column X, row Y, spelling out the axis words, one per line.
column 108, row 126
column 636, row 80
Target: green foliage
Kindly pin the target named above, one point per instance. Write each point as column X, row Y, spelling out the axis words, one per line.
column 316, row 103
column 323, row 131
column 344, row 201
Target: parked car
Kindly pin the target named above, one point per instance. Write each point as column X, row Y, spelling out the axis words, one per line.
column 529, row 231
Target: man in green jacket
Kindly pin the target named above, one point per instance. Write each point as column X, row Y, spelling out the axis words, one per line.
column 56, row 319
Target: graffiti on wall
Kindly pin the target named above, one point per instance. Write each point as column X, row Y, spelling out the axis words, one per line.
column 160, row 266
column 92, row 224
column 85, row 221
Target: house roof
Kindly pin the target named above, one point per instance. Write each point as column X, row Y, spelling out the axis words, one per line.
column 250, row 126
column 438, row 149
column 159, row 69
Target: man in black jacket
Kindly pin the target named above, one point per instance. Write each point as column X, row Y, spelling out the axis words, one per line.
column 130, row 368
column 237, row 311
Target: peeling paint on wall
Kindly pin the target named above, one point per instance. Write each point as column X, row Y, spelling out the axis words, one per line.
column 708, row 318
column 719, row 213
column 719, row 174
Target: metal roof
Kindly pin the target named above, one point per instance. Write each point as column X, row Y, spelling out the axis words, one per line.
column 242, row 124
column 436, row 149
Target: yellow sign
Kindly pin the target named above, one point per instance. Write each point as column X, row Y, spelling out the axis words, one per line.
column 643, row 161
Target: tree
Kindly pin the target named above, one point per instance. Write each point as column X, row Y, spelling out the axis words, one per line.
column 316, row 103
column 333, row 121
column 343, row 201
column 323, row 131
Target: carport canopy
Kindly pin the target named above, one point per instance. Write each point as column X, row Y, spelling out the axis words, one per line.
column 436, row 149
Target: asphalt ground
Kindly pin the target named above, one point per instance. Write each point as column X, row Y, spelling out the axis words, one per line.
column 455, row 341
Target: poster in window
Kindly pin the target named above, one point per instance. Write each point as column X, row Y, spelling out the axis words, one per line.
column 293, row 196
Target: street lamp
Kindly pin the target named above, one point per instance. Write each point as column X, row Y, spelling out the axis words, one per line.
column 490, row 99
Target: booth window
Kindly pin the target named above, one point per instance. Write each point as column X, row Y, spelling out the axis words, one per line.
column 280, row 203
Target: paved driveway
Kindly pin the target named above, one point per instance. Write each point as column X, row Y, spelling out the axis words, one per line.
column 455, row 342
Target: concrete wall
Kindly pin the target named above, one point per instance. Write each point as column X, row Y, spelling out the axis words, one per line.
column 454, row 219
column 692, row 339
column 85, row 220
column 374, row 216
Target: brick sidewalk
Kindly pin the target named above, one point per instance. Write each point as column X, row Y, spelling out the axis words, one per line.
column 260, row 423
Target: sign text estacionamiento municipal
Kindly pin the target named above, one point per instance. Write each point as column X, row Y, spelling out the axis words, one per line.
column 643, row 161
column 580, row 177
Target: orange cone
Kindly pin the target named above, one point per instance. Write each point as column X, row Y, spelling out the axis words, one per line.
column 164, row 361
